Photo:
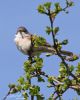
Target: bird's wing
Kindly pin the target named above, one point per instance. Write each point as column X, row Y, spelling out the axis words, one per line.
column 39, row 41
column 41, row 44
column 47, row 49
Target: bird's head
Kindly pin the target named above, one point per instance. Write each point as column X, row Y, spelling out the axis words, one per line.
column 22, row 31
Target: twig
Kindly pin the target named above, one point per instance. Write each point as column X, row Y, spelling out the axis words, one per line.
column 31, row 60
column 72, row 87
column 51, row 20
column 56, row 97
column 58, row 52
column 66, row 65
column 7, row 95
column 58, row 82
column 75, row 87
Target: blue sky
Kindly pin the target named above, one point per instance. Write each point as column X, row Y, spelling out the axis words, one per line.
column 14, row 13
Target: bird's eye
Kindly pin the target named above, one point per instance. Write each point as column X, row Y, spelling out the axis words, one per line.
column 23, row 30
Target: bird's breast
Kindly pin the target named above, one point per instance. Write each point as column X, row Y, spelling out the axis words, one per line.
column 23, row 44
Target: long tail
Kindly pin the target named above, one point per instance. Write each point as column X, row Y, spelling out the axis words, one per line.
column 68, row 53
column 43, row 49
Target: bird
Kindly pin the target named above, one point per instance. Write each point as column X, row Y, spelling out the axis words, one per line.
column 23, row 40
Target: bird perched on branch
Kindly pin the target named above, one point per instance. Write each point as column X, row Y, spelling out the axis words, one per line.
column 26, row 42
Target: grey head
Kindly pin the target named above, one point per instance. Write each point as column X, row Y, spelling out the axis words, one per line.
column 22, row 29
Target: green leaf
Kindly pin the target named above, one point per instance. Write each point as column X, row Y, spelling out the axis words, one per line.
column 34, row 90
column 57, row 8
column 62, row 69
column 26, row 86
column 47, row 5
column 71, row 68
column 64, row 42
column 27, row 65
column 31, row 69
column 65, row 86
column 75, row 57
column 11, row 85
column 38, row 40
column 39, row 63
column 48, row 30
column 78, row 67
column 40, row 97
column 19, row 87
column 40, row 79
column 67, row 81
column 71, row 3
column 21, row 80
column 25, row 95
column 62, row 64
column 73, row 81
column 55, row 30
column 50, row 79
column 41, row 9
column 28, row 76
column 56, row 4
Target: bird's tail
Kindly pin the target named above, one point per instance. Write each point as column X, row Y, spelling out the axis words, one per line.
column 45, row 49
column 67, row 53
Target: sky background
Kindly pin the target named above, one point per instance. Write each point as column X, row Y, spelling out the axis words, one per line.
column 15, row 13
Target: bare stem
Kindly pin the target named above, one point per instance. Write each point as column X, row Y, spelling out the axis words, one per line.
column 59, row 54
column 7, row 95
column 31, row 60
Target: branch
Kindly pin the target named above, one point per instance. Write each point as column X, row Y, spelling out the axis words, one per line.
column 7, row 95
column 47, row 76
column 75, row 87
column 56, row 97
column 31, row 60
column 55, row 80
column 56, row 48
column 66, row 65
